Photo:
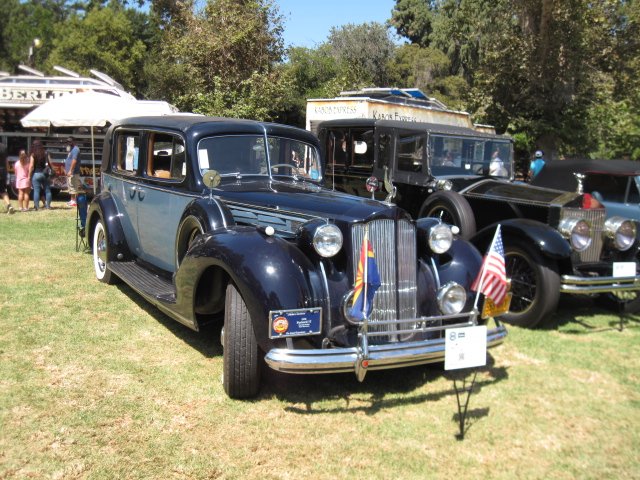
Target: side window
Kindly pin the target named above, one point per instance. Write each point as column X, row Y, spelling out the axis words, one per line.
column 362, row 149
column 166, row 156
column 337, row 143
column 126, row 154
column 410, row 153
column 385, row 152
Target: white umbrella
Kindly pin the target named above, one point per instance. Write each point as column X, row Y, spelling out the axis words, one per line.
column 91, row 109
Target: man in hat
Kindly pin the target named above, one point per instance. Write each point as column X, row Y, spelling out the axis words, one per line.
column 72, row 170
column 536, row 165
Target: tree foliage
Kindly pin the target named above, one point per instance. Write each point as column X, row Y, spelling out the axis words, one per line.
column 21, row 23
column 104, row 40
column 363, row 52
column 561, row 75
column 217, row 60
column 556, row 71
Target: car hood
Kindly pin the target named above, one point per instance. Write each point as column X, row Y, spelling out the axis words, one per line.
column 517, row 192
column 303, row 199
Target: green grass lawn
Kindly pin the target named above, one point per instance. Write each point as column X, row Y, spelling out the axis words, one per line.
column 96, row 383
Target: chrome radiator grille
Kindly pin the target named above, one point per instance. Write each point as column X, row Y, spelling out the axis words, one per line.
column 596, row 218
column 394, row 247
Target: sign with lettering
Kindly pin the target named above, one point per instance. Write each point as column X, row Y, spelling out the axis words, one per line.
column 20, row 95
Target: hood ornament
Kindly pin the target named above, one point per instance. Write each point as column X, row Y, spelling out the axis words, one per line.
column 388, row 186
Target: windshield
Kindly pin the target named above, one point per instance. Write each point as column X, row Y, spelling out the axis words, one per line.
column 246, row 155
column 470, row 156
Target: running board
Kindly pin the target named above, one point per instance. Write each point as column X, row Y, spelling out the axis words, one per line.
column 144, row 281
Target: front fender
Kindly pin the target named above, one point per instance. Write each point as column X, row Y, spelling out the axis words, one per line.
column 210, row 212
column 546, row 239
column 103, row 207
column 269, row 272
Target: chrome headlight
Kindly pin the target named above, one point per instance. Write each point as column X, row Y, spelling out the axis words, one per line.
column 327, row 240
column 621, row 232
column 451, row 298
column 577, row 231
column 440, row 238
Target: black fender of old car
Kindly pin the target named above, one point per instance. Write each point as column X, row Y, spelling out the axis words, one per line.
column 202, row 215
column 269, row 272
column 103, row 207
column 546, row 239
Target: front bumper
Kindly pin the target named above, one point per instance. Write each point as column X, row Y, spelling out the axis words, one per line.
column 588, row 285
column 346, row 359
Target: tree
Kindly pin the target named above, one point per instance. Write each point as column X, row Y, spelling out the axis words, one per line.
column 427, row 69
column 23, row 22
column 214, row 60
column 312, row 73
column 540, row 69
column 413, row 19
column 104, row 40
column 364, row 51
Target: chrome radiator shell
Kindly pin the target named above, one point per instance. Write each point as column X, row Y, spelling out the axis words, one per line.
column 596, row 218
column 394, row 247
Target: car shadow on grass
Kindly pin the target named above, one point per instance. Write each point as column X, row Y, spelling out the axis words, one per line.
column 380, row 390
column 206, row 341
column 575, row 313
column 308, row 394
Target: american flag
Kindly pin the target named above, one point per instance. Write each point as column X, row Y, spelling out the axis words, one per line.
column 492, row 279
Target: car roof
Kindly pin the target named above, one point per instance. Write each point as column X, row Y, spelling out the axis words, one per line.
column 416, row 126
column 201, row 124
column 559, row 173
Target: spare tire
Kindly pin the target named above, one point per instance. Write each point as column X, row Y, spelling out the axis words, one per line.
column 451, row 208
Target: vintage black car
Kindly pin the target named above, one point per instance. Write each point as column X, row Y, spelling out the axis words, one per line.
column 555, row 242
column 615, row 184
column 218, row 220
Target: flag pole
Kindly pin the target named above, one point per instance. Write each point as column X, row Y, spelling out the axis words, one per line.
column 483, row 269
column 365, row 247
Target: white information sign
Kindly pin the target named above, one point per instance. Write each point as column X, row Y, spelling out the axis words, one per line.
column 624, row 269
column 203, row 157
column 465, row 347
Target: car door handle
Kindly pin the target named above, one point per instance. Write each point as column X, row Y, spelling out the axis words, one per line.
column 132, row 192
column 140, row 194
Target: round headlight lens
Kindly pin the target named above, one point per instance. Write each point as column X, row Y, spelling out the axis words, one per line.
column 327, row 240
column 622, row 232
column 451, row 298
column 578, row 231
column 440, row 238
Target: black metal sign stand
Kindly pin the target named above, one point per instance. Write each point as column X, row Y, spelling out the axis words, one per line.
column 467, row 388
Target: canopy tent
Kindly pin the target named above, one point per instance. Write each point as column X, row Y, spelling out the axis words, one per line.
column 91, row 109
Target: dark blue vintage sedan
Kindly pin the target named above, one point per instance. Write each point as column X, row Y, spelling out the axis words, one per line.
column 219, row 220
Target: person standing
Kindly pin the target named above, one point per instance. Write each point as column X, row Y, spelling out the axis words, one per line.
column 536, row 165
column 39, row 160
column 4, row 178
column 496, row 166
column 23, row 184
column 72, row 169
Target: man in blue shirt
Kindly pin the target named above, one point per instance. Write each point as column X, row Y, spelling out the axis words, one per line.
column 536, row 165
column 72, row 170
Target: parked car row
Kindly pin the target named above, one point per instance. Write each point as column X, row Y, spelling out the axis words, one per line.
column 231, row 221
column 555, row 242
